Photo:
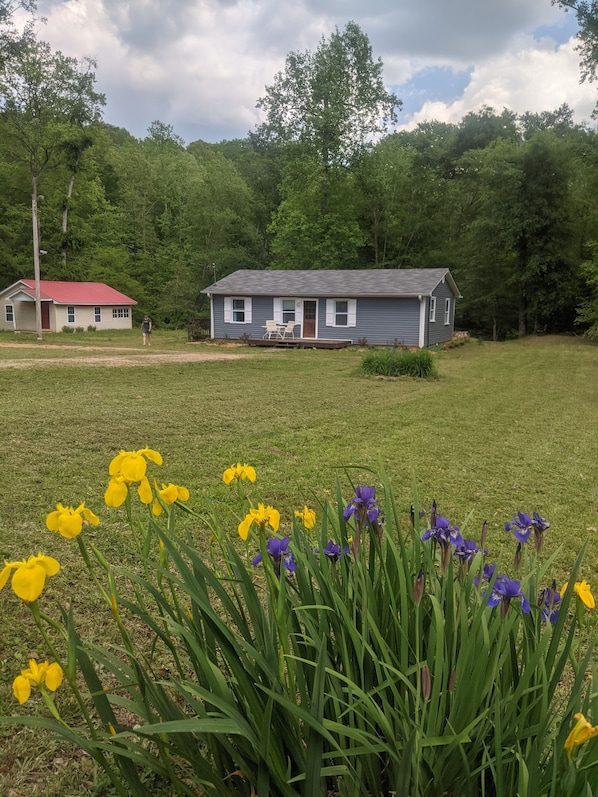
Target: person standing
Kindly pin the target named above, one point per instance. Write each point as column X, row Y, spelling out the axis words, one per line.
column 146, row 330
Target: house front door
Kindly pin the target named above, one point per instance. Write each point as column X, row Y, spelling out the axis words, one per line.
column 45, row 315
column 309, row 318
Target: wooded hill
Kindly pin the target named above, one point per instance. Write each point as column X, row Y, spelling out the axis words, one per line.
column 507, row 202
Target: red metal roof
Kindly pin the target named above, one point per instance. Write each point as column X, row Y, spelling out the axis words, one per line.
column 72, row 293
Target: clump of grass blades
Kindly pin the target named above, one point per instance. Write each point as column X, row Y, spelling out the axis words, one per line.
column 399, row 362
column 379, row 669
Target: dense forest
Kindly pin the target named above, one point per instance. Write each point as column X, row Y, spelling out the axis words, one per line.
column 506, row 201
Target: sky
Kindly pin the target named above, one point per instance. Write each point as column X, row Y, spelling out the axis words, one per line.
column 201, row 65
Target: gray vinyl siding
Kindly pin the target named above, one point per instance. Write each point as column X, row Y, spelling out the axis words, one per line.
column 380, row 321
column 261, row 310
column 384, row 322
column 438, row 331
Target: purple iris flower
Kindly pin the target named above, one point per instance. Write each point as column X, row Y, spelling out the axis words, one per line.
column 444, row 533
column 540, row 525
column 278, row 549
column 548, row 601
column 466, row 551
column 333, row 551
column 363, row 504
column 504, row 591
column 487, row 574
column 521, row 526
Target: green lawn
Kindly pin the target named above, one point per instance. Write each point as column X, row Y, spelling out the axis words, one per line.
column 505, row 427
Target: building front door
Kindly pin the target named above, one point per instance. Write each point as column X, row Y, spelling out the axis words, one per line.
column 309, row 318
column 45, row 315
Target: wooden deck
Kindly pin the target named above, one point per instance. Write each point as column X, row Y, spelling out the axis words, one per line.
column 299, row 343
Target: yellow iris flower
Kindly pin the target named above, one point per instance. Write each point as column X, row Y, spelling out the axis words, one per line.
column 30, row 577
column 308, row 516
column 581, row 733
column 68, row 521
column 131, row 465
column 49, row 675
column 169, row 494
column 582, row 589
column 126, row 468
column 238, row 472
column 262, row 516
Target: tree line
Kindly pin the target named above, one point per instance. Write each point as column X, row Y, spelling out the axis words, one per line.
column 506, row 201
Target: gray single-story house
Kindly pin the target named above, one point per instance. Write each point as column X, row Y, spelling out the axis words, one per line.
column 64, row 304
column 405, row 307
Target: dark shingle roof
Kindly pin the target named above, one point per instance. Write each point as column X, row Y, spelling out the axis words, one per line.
column 349, row 283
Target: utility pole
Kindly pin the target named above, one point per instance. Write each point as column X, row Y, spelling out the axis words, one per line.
column 36, row 255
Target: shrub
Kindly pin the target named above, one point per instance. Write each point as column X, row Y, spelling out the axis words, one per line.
column 91, row 328
column 66, row 328
column 347, row 656
column 399, row 362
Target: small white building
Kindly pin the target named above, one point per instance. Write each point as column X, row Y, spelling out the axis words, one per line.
column 64, row 304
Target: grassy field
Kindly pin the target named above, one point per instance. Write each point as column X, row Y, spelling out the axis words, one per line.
column 505, row 427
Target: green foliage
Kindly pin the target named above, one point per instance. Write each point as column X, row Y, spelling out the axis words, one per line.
column 399, row 362
column 588, row 309
column 365, row 666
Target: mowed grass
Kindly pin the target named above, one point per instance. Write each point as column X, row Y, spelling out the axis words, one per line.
column 505, row 427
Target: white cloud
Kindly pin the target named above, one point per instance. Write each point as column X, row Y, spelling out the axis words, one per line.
column 201, row 65
column 530, row 77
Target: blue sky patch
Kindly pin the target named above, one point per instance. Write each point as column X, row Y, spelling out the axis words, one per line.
column 432, row 84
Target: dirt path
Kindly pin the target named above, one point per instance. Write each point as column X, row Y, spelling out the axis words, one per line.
column 140, row 359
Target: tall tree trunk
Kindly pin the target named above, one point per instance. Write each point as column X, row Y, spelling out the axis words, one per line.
column 65, row 213
column 522, row 331
column 36, row 255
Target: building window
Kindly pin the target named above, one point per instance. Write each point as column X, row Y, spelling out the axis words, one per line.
column 70, row 315
column 237, row 310
column 120, row 312
column 447, row 311
column 432, row 309
column 97, row 315
column 288, row 310
column 341, row 312
column 9, row 313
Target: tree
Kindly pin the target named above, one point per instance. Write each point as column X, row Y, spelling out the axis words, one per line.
column 44, row 95
column 587, row 19
column 10, row 38
column 332, row 102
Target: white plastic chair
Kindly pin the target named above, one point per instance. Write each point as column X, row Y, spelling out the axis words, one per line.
column 288, row 330
column 272, row 328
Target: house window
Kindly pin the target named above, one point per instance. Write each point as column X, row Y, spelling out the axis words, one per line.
column 288, row 310
column 120, row 312
column 432, row 309
column 97, row 315
column 70, row 315
column 447, row 311
column 237, row 310
column 9, row 313
column 341, row 312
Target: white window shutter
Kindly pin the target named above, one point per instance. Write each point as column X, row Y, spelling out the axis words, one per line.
column 228, row 310
column 277, row 310
column 352, row 313
column 248, row 310
column 330, row 312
